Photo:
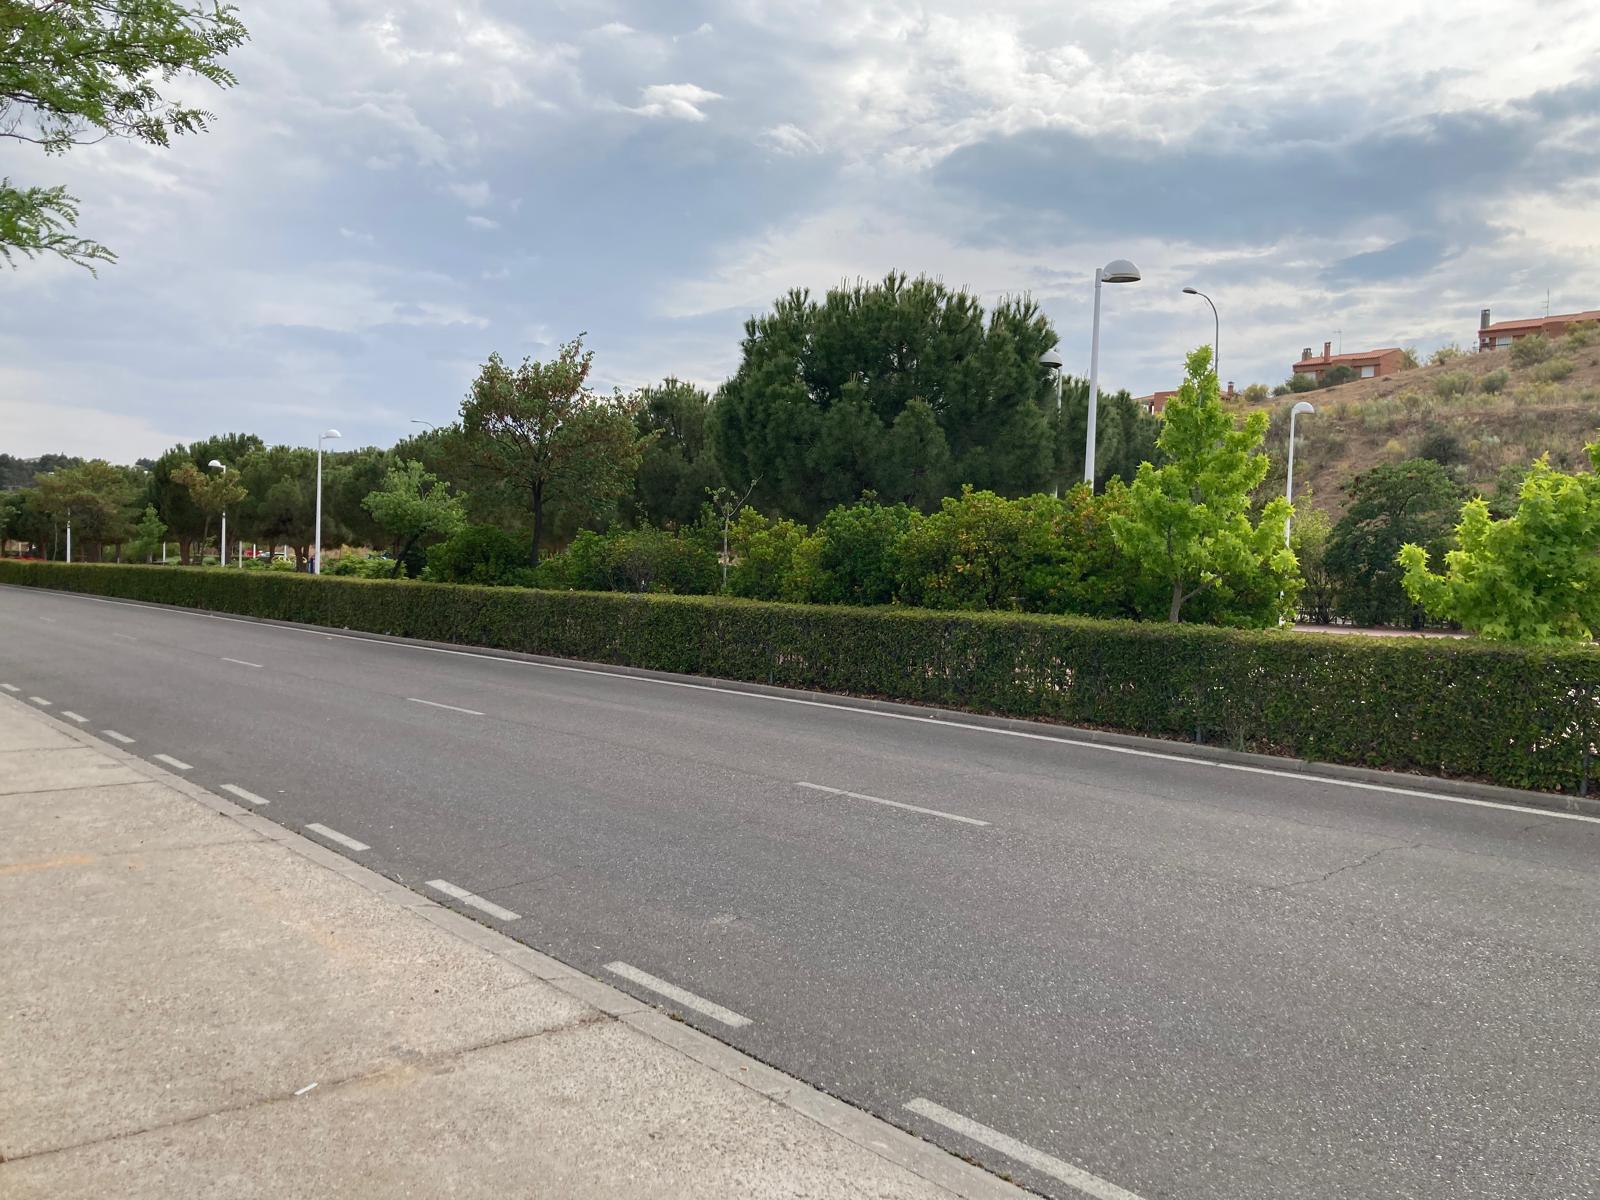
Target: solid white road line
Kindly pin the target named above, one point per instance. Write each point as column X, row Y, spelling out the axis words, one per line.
column 10, row 687
column 1045, row 1164
column 125, row 637
column 239, row 662
column 72, row 716
column 675, row 993
column 471, row 712
column 916, row 808
column 172, row 762
column 40, row 701
column 478, row 902
column 48, row 620
column 943, row 723
column 333, row 835
column 118, row 737
column 233, row 789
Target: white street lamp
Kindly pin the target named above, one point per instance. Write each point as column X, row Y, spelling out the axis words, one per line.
column 1303, row 407
column 316, row 550
column 432, row 428
column 222, row 558
column 1118, row 270
column 1216, row 327
column 69, row 535
column 1051, row 361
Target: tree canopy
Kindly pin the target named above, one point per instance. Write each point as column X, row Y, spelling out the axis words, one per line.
column 1390, row 505
column 77, row 70
column 904, row 388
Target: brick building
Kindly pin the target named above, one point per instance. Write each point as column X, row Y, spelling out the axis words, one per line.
column 1492, row 336
column 1367, row 364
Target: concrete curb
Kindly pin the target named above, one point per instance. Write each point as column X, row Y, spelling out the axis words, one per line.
column 1070, row 734
column 889, row 1142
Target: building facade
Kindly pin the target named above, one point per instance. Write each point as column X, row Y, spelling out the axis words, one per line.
column 1367, row 364
column 1492, row 335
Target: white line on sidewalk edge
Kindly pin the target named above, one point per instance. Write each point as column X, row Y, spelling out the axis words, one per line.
column 673, row 992
column 172, row 762
column 1047, row 1164
column 478, row 902
column 239, row 662
column 916, row 808
column 72, row 716
column 118, row 737
column 333, row 835
column 233, row 789
column 471, row 712
column 40, row 701
column 10, row 687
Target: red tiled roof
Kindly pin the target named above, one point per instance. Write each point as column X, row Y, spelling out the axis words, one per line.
column 1592, row 314
column 1361, row 355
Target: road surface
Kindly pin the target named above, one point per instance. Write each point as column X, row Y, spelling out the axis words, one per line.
column 1102, row 973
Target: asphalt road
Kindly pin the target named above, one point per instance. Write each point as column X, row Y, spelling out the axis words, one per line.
column 1137, row 975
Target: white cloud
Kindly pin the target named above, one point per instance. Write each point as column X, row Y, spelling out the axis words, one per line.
column 680, row 101
column 480, row 222
column 474, row 195
column 791, row 139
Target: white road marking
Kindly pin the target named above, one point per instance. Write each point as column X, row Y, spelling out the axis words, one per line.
column 675, row 993
column 333, row 835
column 944, row 723
column 239, row 662
column 40, row 701
column 233, row 789
column 478, row 902
column 172, row 762
column 305, row 1089
column 48, row 620
column 10, row 687
column 916, row 808
column 118, row 737
column 471, row 712
column 127, row 637
column 72, row 716
column 1045, row 1164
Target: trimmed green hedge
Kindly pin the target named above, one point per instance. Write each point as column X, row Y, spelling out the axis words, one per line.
column 1519, row 716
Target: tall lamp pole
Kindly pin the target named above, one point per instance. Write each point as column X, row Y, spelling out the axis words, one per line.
column 1216, row 337
column 1303, row 407
column 316, row 550
column 1118, row 270
column 1051, row 361
column 222, row 558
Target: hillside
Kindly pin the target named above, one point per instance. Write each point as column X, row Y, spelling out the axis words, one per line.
column 1478, row 412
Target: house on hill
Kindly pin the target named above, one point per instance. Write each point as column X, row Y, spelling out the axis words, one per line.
column 1494, row 335
column 1155, row 402
column 1367, row 364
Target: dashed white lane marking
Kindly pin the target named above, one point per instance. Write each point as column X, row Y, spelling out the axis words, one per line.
column 471, row 712
column 333, row 835
column 48, row 620
column 72, row 716
column 40, row 701
column 478, row 902
column 10, row 687
column 239, row 662
column 1045, row 1164
column 675, row 993
column 943, row 722
column 172, row 762
column 118, row 737
column 233, row 789
column 916, row 808
column 127, row 637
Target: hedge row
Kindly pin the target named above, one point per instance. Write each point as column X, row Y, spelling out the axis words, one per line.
column 1519, row 716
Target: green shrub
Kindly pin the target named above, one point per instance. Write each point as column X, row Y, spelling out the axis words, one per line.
column 1444, row 354
column 856, row 558
column 482, row 554
column 1582, row 334
column 1449, row 384
column 1334, row 376
column 1302, row 383
column 1494, row 382
column 1553, row 370
column 1530, row 351
column 1513, row 715
column 362, row 566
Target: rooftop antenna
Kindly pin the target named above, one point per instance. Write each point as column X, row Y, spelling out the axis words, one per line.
column 1547, row 304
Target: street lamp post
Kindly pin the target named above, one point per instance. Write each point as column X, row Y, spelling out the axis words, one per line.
column 1051, row 360
column 1303, row 407
column 69, row 535
column 1216, row 325
column 316, row 550
column 432, row 428
column 1118, row 270
column 222, row 557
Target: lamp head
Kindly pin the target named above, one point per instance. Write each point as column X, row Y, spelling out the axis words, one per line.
column 1189, row 291
column 1304, row 408
column 216, row 463
column 329, row 434
column 1051, row 358
column 1120, row 270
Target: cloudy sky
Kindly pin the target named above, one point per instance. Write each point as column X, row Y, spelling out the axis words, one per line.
column 398, row 187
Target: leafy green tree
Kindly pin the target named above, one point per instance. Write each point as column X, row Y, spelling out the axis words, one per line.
column 677, row 468
column 97, row 496
column 1334, row 376
column 817, row 410
column 173, row 500
column 213, row 492
column 1390, row 505
column 147, row 535
column 1188, row 523
column 541, row 429
column 281, row 506
column 1301, row 383
column 856, row 558
column 1533, row 576
column 765, row 552
column 412, row 505
column 975, row 552
column 1309, row 538
column 75, row 71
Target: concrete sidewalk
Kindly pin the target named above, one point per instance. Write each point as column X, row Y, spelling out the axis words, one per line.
column 195, row 1001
